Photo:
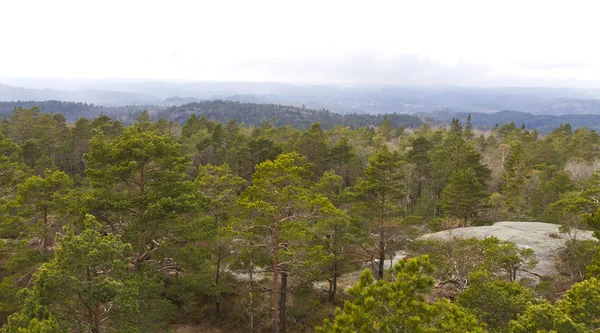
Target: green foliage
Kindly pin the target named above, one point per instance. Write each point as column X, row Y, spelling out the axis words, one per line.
column 40, row 200
column 279, row 206
column 140, row 189
column 495, row 302
column 419, row 156
column 576, row 257
column 87, row 285
column 386, row 128
column 313, row 146
column 464, row 196
column 582, row 303
column 544, row 318
column 399, row 305
column 192, row 234
column 514, row 178
column 508, row 260
column 335, row 233
column 455, row 154
column 455, row 258
column 378, row 197
column 281, row 115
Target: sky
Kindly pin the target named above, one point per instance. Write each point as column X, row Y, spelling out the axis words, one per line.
column 471, row 43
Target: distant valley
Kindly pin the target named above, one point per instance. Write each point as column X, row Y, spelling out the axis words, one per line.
column 301, row 104
column 337, row 98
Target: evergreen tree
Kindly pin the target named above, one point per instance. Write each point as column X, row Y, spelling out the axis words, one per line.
column 386, row 128
column 495, row 302
column 505, row 258
column 279, row 206
column 464, row 196
column 455, row 154
column 86, row 287
column 582, row 303
column 335, row 233
column 469, row 135
column 399, row 305
column 379, row 194
column 419, row 156
column 221, row 189
column 545, row 318
column 343, row 160
column 514, row 178
column 313, row 146
column 140, row 189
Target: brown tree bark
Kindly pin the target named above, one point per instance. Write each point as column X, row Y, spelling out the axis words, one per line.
column 282, row 300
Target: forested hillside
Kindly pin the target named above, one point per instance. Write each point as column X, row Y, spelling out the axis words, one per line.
column 300, row 117
column 281, row 115
column 195, row 221
column 247, row 113
column 72, row 111
column 544, row 123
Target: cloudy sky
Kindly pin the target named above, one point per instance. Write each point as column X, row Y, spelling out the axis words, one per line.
column 481, row 43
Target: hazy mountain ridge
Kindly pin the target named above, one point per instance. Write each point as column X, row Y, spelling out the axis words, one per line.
column 338, row 98
column 280, row 115
column 104, row 97
column 542, row 122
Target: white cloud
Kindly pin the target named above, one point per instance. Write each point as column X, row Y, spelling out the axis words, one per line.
column 472, row 42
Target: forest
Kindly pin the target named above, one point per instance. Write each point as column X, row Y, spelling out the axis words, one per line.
column 193, row 224
column 217, row 110
column 300, row 117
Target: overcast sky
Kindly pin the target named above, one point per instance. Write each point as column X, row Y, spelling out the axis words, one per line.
column 526, row 42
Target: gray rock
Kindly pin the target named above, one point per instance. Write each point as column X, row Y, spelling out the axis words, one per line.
column 544, row 238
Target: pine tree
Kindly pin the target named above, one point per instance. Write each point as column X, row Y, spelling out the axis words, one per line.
column 279, row 206
column 463, row 196
column 386, row 129
column 335, row 232
column 221, row 189
column 495, row 302
column 87, row 286
column 514, row 177
column 419, row 156
column 582, row 303
column 399, row 305
column 545, row 318
column 379, row 194
column 455, row 154
column 469, row 135
column 342, row 155
column 313, row 146
column 139, row 188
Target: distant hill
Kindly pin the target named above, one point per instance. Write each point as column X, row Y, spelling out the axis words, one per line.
column 280, row 115
column 543, row 123
column 102, row 97
column 75, row 110
column 337, row 98
column 218, row 110
column 176, row 100
column 565, row 106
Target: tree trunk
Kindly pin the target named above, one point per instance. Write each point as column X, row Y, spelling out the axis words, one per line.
column 382, row 237
column 251, row 289
column 275, row 291
column 96, row 320
column 282, row 299
column 333, row 283
column 419, row 186
column 381, row 254
column 218, row 300
column 46, row 233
